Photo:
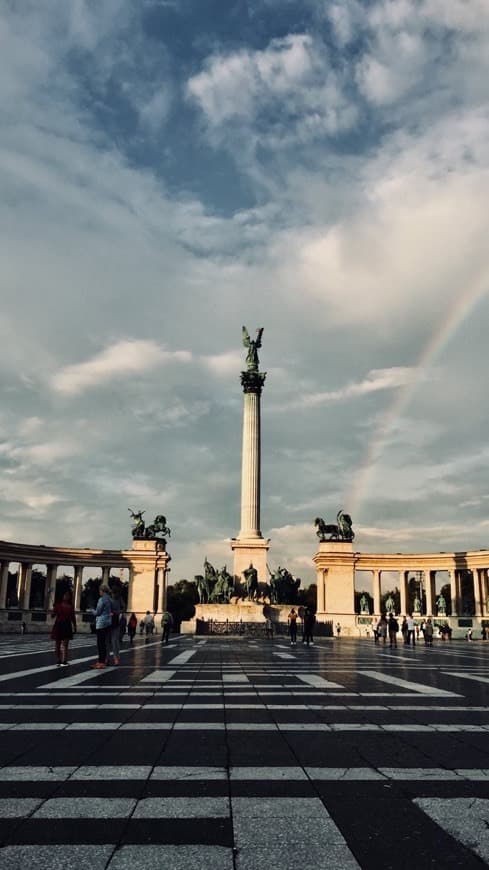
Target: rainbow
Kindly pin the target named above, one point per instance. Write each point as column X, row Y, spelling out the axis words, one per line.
column 457, row 313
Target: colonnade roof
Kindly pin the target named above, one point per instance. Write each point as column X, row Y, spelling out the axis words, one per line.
column 45, row 555
column 439, row 561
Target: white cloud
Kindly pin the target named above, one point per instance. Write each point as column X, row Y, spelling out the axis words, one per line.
column 292, row 76
column 375, row 380
column 128, row 357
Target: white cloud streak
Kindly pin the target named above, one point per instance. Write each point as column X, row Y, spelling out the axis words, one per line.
column 127, row 357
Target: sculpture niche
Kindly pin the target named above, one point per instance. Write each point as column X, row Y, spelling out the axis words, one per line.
column 156, row 531
column 214, row 587
column 340, row 531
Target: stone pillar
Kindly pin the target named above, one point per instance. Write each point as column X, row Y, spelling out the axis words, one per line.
column 477, row 591
column 321, row 580
column 78, row 585
column 52, row 571
column 250, row 547
column 484, row 590
column 105, row 574
column 24, row 585
column 376, row 590
column 161, row 583
column 453, row 591
column 403, row 575
column 3, row 584
column 250, row 470
column 429, row 584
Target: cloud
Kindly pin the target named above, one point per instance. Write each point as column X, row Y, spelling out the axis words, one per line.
column 291, row 76
column 128, row 357
column 378, row 379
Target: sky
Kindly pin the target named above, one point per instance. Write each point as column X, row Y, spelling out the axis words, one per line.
column 173, row 169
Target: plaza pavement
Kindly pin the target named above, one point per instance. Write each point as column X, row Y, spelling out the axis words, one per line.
column 235, row 754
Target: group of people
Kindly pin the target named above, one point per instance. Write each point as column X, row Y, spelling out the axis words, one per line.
column 308, row 622
column 388, row 627
column 110, row 626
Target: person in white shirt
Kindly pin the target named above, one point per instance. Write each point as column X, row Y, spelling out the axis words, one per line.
column 411, row 632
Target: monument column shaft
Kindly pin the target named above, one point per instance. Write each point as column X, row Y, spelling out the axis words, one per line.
column 250, row 472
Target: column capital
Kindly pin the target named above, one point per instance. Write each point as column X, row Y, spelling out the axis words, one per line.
column 252, row 382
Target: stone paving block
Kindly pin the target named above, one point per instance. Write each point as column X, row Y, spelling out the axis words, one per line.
column 65, row 857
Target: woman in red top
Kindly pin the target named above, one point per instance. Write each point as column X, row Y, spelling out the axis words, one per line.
column 62, row 631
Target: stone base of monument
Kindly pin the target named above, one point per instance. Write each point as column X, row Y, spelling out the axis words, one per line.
column 239, row 612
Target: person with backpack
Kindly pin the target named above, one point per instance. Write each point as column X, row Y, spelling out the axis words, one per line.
column 393, row 628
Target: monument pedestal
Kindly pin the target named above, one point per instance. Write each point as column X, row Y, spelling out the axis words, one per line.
column 248, row 551
column 335, row 571
column 149, row 570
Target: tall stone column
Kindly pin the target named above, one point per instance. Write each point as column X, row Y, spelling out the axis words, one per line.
column 3, row 584
column 428, row 588
column 78, row 582
column 250, row 547
column 453, row 590
column 376, row 590
column 403, row 578
column 477, row 591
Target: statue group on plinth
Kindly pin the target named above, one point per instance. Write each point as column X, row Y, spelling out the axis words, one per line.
column 213, row 586
column 156, row 531
column 340, row 531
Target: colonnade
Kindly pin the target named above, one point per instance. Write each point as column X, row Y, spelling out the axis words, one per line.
column 147, row 565
column 480, row 587
column 467, row 575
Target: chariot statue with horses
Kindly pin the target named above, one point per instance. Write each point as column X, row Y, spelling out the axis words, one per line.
column 155, row 531
column 340, row 531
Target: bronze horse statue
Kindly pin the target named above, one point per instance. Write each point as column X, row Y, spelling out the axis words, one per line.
column 341, row 530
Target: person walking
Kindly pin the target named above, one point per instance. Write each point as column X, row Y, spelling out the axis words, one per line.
column 116, row 612
column 132, row 627
column 382, row 628
column 411, row 630
column 338, row 630
column 428, row 633
column 149, row 624
column 309, row 620
column 292, row 621
column 63, row 628
column 404, row 629
column 103, row 625
column 166, row 625
column 393, row 628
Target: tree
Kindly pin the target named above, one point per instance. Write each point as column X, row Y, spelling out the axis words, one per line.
column 308, row 597
column 181, row 599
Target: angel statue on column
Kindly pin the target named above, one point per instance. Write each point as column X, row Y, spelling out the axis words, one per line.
column 252, row 361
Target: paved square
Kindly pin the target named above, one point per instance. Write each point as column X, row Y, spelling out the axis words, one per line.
column 229, row 754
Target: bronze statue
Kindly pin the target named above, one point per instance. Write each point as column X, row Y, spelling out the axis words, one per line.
column 341, row 530
column 252, row 361
column 251, row 581
column 156, row 531
column 283, row 586
column 441, row 605
column 202, row 588
column 138, row 529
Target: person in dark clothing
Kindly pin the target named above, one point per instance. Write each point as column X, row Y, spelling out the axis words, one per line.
column 292, row 620
column 63, row 628
column 393, row 628
column 309, row 620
